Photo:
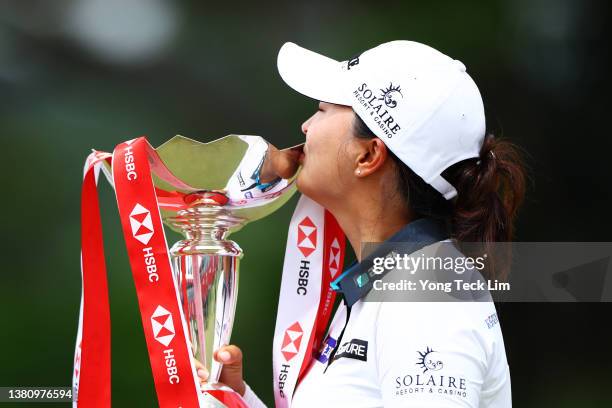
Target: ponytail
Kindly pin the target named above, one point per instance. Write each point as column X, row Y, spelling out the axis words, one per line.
column 490, row 191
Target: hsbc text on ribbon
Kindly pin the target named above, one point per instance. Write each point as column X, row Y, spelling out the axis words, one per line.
column 130, row 167
column 149, row 259
column 302, row 288
column 171, row 369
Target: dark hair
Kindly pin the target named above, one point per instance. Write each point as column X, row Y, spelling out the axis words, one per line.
column 490, row 189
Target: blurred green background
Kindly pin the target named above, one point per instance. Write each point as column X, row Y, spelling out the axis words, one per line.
column 82, row 74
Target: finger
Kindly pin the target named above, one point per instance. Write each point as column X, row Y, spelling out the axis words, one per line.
column 201, row 370
column 286, row 162
column 229, row 355
column 280, row 163
column 267, row 172
column 198, row 363
column 203, row 374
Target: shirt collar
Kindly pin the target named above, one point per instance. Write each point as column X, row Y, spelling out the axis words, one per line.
column 354, row 283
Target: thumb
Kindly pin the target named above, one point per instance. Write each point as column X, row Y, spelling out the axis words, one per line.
column 231, row 373
column 280, row 163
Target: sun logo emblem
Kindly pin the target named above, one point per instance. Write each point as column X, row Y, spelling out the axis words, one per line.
column 388, row 95
column 429, row 360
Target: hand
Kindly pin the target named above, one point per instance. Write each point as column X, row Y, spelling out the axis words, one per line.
column 231, row 373
column 280, row 163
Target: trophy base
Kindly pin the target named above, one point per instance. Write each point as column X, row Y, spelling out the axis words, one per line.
column 221, row 396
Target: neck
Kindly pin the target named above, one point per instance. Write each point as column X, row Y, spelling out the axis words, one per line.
column 370, row 219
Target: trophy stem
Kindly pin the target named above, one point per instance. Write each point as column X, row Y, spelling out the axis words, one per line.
column 205, row 267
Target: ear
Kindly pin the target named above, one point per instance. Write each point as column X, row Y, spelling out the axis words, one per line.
column 372, row 156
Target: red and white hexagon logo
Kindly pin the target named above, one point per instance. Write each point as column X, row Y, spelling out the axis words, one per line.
column 292, row 341
column 163, row 326
column 334, row 257
column 307, row 236
column 142, row 224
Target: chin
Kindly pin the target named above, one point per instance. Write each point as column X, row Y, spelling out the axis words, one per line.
column 299, row 182
column 304, row 186
column 308, row 189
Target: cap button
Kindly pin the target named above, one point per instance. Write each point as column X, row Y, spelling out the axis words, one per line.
column 459, row 65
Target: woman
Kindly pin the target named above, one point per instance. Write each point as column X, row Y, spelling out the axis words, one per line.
column 397, row 151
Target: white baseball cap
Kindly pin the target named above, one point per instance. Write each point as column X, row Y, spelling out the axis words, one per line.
column 420, row 102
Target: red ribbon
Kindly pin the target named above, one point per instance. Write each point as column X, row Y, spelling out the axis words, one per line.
column 163, row 322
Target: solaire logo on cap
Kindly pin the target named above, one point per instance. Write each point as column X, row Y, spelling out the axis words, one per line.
column 141, row 223
column 163, row 325
column 378, row 107
column 389, row 95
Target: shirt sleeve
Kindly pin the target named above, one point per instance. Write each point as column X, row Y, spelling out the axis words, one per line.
column 251, row 399
column 432, row 354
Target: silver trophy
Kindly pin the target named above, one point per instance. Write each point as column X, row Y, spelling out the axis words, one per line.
column 214, row 189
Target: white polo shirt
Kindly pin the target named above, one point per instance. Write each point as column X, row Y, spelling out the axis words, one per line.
column 409, row 354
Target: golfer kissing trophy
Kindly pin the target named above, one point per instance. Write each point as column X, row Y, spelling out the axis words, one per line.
column 187, row 295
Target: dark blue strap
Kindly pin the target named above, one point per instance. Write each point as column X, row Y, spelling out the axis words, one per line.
column 356, row 281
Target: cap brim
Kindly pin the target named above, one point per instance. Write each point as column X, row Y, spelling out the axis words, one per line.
column 313, row 75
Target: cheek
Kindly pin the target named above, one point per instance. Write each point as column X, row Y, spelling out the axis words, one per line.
column 322, row 156
column 321, row 177
column 317, row 172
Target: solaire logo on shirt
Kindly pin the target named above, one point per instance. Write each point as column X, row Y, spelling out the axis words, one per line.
column 432, row 378
column 429, row 360
column 356, row 349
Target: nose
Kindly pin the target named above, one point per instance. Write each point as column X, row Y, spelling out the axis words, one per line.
column 305, row 126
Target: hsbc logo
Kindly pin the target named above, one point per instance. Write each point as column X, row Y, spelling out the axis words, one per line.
column 289, row 349
column 163, row 331
column 307, row 243
column 142, row 224
column 334, row 257
column 292, row 341
column 307, row 237
column 163, row 326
